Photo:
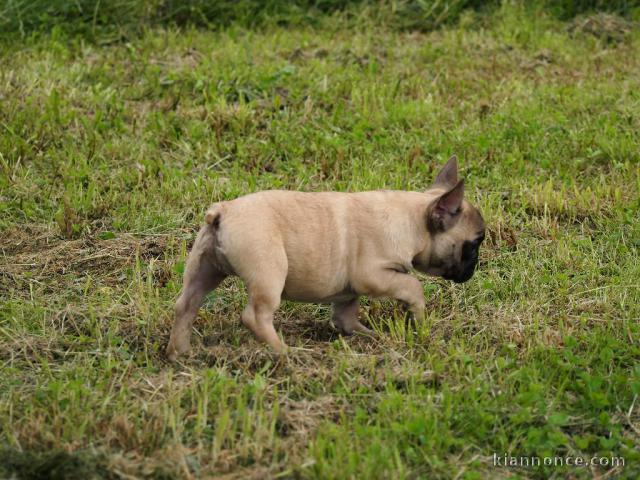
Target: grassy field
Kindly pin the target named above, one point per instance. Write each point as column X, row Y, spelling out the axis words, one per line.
column 111, row 151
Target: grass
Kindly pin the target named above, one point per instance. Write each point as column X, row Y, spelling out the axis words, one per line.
column 110, row 154
column 117, row 20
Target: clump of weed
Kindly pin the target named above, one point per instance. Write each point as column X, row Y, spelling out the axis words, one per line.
column 68, row 220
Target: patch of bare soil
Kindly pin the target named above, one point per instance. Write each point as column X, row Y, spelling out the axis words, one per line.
column 34, row 253
column 299, row 419
column 610, row 28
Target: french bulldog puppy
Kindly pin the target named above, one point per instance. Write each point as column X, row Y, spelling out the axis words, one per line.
column 329, row 247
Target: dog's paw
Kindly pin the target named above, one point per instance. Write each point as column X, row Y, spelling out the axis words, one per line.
column 173, row 352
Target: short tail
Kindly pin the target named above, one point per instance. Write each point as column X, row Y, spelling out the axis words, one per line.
column 212, row 217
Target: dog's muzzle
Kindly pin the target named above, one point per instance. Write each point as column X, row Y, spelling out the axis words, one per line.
column 465, row 270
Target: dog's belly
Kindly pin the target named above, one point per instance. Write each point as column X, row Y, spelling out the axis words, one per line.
column 315, row 293
column 337, row 298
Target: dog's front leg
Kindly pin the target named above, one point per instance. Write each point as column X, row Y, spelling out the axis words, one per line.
column 400, row 286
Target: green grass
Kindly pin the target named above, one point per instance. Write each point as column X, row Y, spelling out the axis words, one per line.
column 110, row 154
column 116, row 20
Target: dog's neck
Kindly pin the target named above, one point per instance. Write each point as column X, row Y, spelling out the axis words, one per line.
column 407, row 234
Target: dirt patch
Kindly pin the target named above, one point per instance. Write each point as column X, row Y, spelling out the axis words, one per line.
column 610, row 28
column 300, row 418
column 37, row 254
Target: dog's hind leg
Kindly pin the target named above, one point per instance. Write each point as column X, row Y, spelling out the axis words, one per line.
column 265, row 291
column 258, row 316
column 200, row 277
column 345, row 318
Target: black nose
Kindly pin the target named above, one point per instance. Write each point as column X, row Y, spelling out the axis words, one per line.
column 466, row 271
column 466, row 275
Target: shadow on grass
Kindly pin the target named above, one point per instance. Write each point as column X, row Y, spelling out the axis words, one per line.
column 52, row 465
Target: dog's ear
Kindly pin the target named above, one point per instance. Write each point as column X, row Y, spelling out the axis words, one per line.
column 448, row 176
column 444, row 210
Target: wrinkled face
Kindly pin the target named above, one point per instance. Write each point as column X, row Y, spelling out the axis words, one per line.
column 454, row 252
column 454, row 226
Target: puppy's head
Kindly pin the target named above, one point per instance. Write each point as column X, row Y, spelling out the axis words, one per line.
column 455, row 227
